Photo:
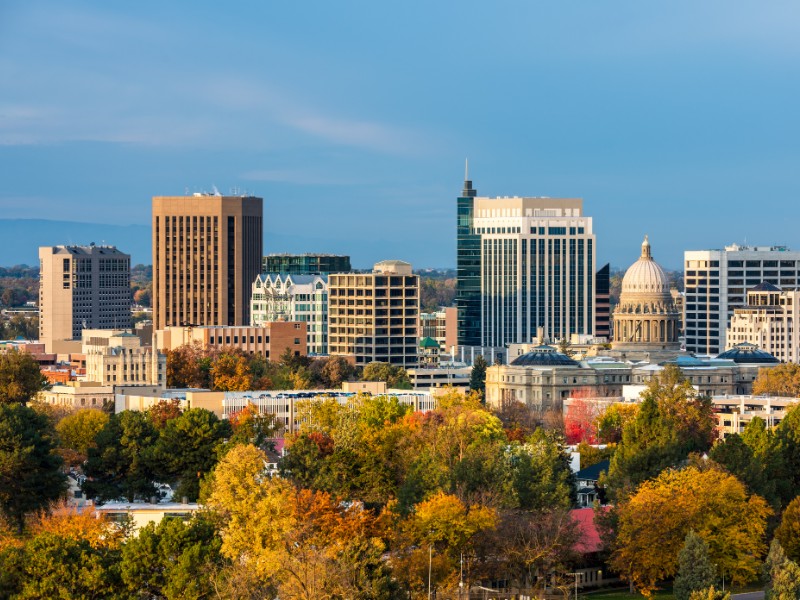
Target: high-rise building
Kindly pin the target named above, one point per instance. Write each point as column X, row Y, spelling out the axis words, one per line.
column 524, row 264
column 770, row 321
column 468, row 269
column 441, row 326
column 602, row 302
column 207, row 250
column 302, row 298
column 82, row 287
column 306, row 264
column 716, row 283
column 374, row 317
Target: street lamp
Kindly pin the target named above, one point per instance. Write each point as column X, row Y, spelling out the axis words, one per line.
column 576, row 574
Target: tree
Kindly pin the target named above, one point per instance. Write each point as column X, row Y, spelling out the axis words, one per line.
column 122, row 464
column 77, row 433
column 672, row 421
column 251, row 427
column 30, row 469
column 740, row 460
column 709, row 593
column 788, row 439
column 780, row 574
column 337, row 370
column 164, row 411
column 186, row 449
column 189, row 366
column 695, row 571
column 395, row 376
column 612, row 421
column 20, row 377
column 788, row 532
column 782, row 380
column 231, row 373
column 580, row 421
column 172, row 559
column 68, row 522
column 477, row 377
column 653, row 522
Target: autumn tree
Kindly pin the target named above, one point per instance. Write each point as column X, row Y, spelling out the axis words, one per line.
column 788, row 532
column 122, row 465
column 186, row 449
column 653, row 522
column 189, row 366
column 612, row 421
column 230, row 372
column 336, row 370
column 69, row 522
column 77, row 433
column 781, row 380
column 695, row 571
column 251, row 427
column 164, row 411
column 20, row 377
column 30, row 469
column 580, row 421
column 672, row 421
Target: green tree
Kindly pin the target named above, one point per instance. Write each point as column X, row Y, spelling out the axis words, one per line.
column 395, row 376
column 77, row 433
column 788, row 532
column 30, row 469
column 672, row 421
column 20, row 377
column 186, row 449
column 695, row 571
column 122, row 464
column 740, row 460
column 781, row 575
column 52, row 566
column 709, row 593
column 788, row 438
column 172, row 560
column 477, row 377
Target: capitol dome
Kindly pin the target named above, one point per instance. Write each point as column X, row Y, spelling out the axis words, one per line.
column 645, row 276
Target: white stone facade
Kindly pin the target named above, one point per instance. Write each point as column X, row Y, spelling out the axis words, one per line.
column 769, row 321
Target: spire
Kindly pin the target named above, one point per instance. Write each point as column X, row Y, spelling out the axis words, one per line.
column 468, row 191
column 646, row 249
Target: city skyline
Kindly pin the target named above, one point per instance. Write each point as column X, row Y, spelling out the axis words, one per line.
column 353, row 123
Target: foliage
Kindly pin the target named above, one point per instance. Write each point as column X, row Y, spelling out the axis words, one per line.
column 787, row 437
column 172, row 560
column 17, row 326
column 612, row 421
column 20, row 377
column 436, row 292
column 77, row 433
column 122, row 465
column 230, row 372
column 695, row 571
column 781, row 380
column 709, row 593
column 592, row 455
column 189, row 366
column 788, row 532
column 186, row 449
column 395, row 376
column 672, row 421
column 780, row 574
column 251, row 427
column 30, row 469
column 653, row 522
column 477, row 376
column 756, row 470
column 55, row 566
column 163, row 411
column 580, row 422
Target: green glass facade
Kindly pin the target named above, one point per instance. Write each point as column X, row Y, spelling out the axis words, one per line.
column 468, row 271
column 306, row 264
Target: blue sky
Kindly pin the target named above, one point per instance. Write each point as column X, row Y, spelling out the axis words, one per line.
column 353, row 119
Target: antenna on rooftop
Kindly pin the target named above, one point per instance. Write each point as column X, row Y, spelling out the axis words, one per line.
column 216, row 191
column 466, row 169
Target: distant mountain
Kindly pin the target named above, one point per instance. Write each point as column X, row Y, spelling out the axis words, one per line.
column 20, row 238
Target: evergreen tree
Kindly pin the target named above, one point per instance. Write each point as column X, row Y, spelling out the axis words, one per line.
column 477, row 378
column 695, row 571
column 781, row 575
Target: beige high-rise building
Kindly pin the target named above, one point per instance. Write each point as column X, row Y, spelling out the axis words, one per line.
column 374, row 317
column 82, row 287
column 207, row 250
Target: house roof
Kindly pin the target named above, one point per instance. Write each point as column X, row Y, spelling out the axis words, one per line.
column 592, row 473
column 765, row 286
column 428, row 342
column 590, row 537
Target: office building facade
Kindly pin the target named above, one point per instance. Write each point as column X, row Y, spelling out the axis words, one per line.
column 306, row 264
column 602, row 303
column 769, row 321
column 537, row 269
column 207, row 250
column 270, row 340
column 374, row 317
column 303, row 298
column 716, row 283
column 468, row 269
column 119, row 358
column 82, row 287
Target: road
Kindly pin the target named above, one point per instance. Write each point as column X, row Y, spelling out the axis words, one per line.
column 749, row 596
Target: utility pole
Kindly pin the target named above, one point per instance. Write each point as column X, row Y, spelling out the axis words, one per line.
column 430, row 563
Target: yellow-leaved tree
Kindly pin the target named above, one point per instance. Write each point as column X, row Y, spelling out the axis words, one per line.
column 783, row 380
column 653, row 522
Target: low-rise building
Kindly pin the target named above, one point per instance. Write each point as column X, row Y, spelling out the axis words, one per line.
column 733, row 413
column 118, row 358
column 270, row 340
column 441, row 377
column 442, row 326
column 137, row 515
column 78, row 394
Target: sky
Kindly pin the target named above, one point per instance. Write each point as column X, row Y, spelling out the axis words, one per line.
column 353, row 119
